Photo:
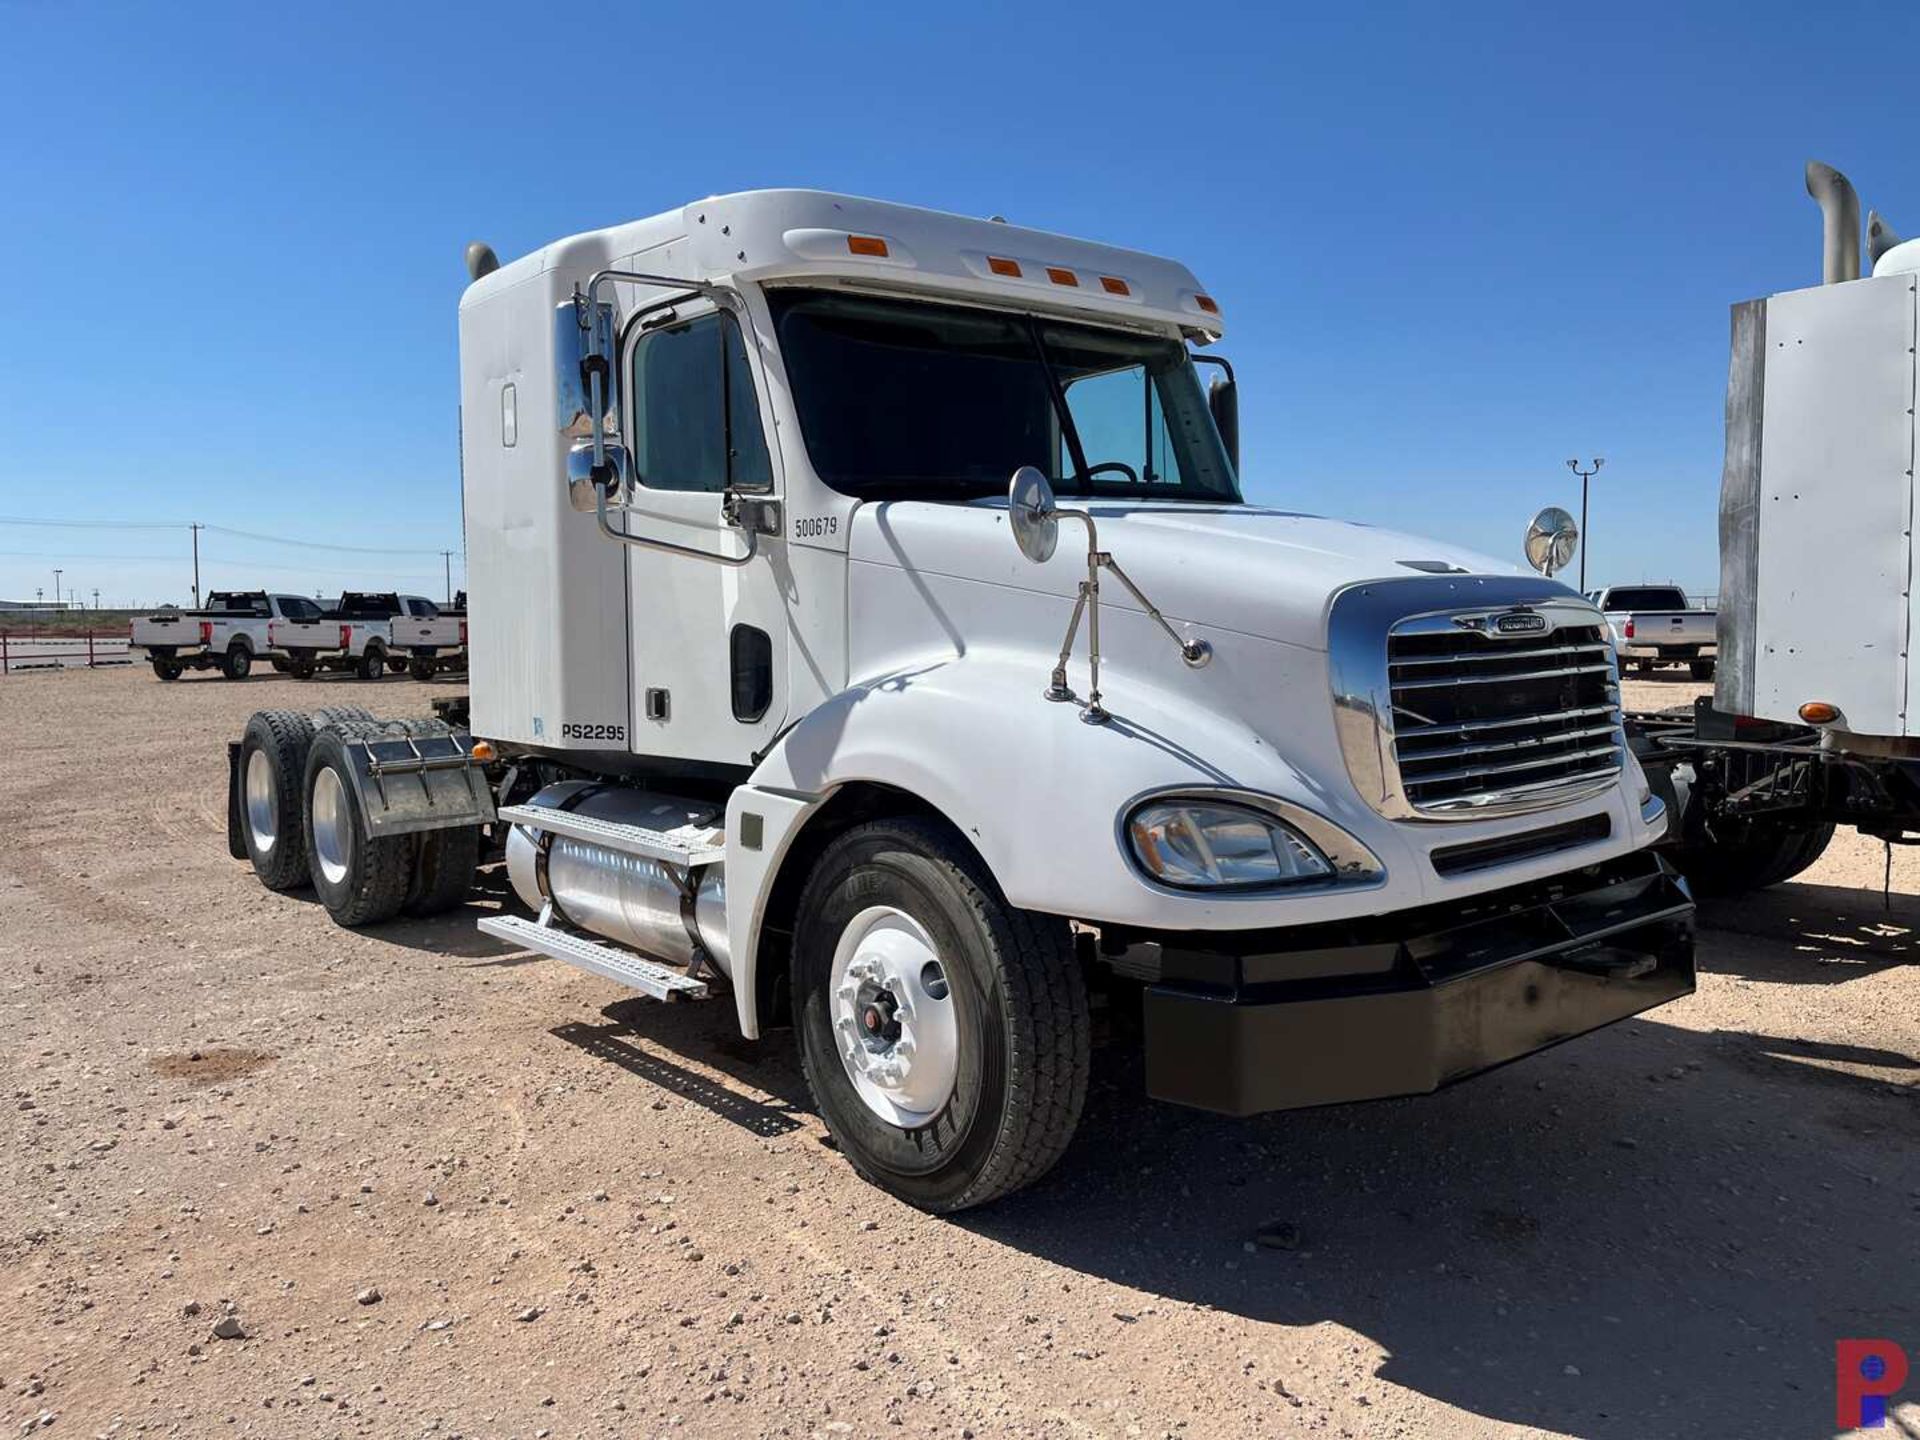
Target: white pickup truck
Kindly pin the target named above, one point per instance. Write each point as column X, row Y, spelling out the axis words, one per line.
column 432, row 639
column 355, row 634
column 229, row 635
column 1653, row 626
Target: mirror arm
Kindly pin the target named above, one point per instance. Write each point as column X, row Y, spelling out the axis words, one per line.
column 1195, row 652
column 640, row 542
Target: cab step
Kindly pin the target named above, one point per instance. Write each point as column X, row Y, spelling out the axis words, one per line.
column 648, row 976
column 689, row 846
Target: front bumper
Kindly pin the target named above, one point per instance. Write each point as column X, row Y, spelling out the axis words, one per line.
column 1403, row 1004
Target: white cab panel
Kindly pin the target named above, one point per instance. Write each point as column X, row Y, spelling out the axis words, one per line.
column 1833, row 585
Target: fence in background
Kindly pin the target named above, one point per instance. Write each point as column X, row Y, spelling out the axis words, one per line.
column 61, row 652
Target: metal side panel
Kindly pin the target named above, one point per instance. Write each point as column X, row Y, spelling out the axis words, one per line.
column 676, row 847
column 1833, row 578
column 1740, row 510
column 659, row 981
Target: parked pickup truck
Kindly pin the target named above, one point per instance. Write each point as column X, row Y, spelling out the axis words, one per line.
column 355, row 634
column 1653, row 625
column 432, row 638
column 233, row 631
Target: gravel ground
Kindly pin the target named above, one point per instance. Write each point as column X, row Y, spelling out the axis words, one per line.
column 434, row 1187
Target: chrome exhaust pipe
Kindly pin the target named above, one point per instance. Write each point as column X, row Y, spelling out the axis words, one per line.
column 1840, row 218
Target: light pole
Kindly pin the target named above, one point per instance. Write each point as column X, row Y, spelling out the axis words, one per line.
column 1585, row 476
column 57, row 572
column 447, row 557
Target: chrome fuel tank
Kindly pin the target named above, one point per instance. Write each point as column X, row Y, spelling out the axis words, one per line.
column 626, row 898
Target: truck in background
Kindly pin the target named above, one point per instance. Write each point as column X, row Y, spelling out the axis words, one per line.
column 434, row 639
column 1653, row 625
column 1814, row 720
column 774, row 509
column 233, row 631
column 355, row 633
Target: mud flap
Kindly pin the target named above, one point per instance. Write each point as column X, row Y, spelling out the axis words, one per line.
column 236, row 822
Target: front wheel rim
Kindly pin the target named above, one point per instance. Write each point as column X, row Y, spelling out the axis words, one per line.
column 894, row 1023
column 332, row 826
column 261, row 819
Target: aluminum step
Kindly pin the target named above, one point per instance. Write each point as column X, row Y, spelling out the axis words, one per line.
column 660, row 981
column 692, row 845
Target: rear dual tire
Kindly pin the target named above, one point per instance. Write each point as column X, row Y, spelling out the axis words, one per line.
column 364, row 879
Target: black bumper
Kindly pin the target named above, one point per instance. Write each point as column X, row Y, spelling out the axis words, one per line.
column 1401, row 1005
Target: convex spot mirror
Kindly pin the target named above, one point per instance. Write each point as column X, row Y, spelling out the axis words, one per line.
column 1032, row 516
column 582, row 482
column 1552, row 537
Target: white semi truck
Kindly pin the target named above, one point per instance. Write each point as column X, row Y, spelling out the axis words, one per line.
column 1815, row 717
column 870, row 630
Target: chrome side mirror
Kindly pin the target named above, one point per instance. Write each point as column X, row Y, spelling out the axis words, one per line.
column 1032, row 515
column 581, row 332
column 1552, row 537
column 616, row 473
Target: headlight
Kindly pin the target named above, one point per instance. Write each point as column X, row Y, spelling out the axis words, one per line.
column 1198, row 844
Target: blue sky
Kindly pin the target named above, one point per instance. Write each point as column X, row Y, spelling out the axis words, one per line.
column 1456, row 245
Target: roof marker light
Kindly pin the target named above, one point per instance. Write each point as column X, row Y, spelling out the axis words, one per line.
column 1000, row 265
column 1114, row 286
column 1207, row 303
column 867, row 245
column 1062, row 277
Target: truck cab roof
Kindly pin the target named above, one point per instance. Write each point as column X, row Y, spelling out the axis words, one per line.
column 775, row 236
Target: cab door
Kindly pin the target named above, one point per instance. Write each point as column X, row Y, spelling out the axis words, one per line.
column 709, row 640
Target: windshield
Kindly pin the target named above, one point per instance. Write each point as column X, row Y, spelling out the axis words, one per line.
column 901, row 399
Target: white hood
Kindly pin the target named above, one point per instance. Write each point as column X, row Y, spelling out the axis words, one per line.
column 1242, row 568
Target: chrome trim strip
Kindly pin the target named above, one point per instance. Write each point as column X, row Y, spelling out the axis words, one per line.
column 1360, row 620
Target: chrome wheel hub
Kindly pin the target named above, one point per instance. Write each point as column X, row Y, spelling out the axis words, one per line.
column 332, row 826
column 893, row 1017
column 260, row 813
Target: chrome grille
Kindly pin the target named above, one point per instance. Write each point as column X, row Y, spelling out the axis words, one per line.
column 1482, row 719
column 1474, row 696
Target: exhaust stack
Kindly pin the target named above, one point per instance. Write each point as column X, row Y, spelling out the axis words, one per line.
column 1840, row 216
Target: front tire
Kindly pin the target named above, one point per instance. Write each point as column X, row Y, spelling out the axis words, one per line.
column 361, row 879
column 371, row 664
column 902, row 935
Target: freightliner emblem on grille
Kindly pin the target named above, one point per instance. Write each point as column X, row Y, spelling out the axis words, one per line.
column 1506, row 622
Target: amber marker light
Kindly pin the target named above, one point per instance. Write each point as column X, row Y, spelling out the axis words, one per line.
column 1113, row 285
column 1207, row 303
column 1000, row 265
column 1062, row 277
column 867, row 245
column 1819, row 712
column 483, row 751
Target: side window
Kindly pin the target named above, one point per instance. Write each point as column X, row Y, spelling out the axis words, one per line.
column 696, row 419
column 1121, row 423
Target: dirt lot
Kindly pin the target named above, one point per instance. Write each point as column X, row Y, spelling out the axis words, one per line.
column 451, row 1190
